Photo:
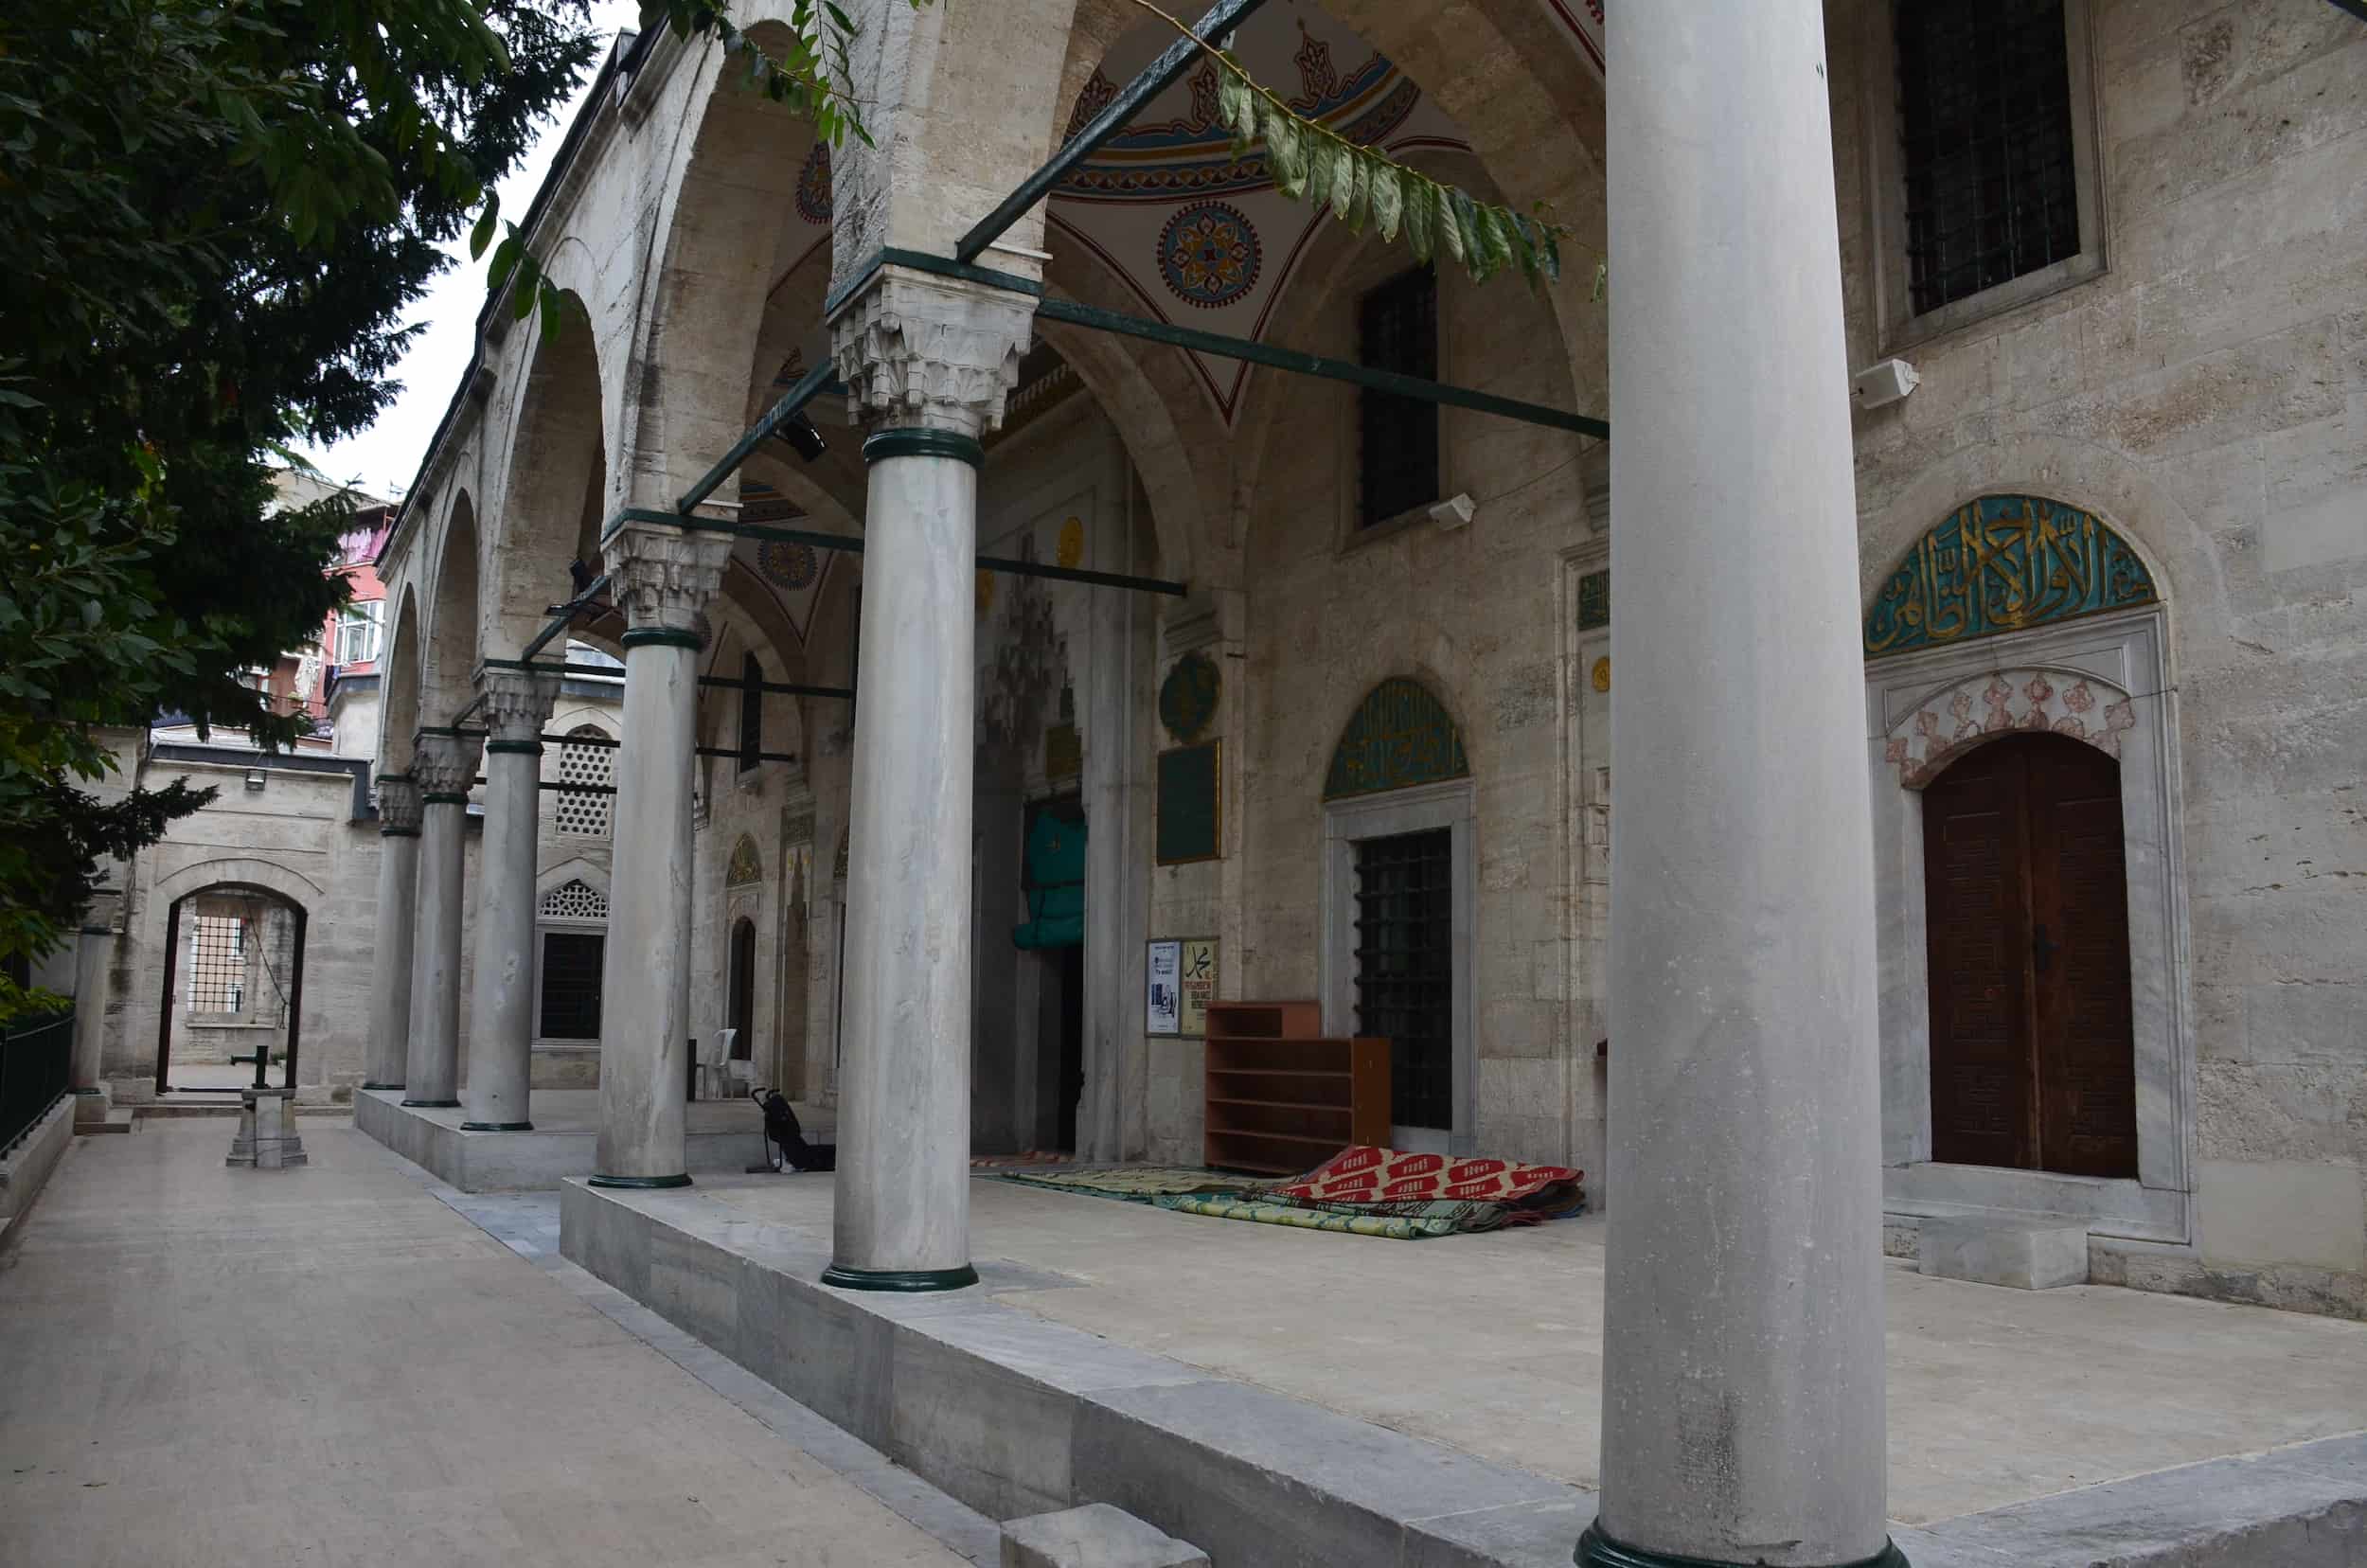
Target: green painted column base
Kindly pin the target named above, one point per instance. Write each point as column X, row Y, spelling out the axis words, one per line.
column 898, row 1279
column 640, row 1182
column 382, row 1088
column 434, row 1105
column 496, row 1127
column 1597, row 1550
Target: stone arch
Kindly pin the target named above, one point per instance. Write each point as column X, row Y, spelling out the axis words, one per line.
column 1398, row 737
column 163, row 928
column 731, row 197
column 556, row 486
column 574, row 869
column 745, row 867
column 2012, row 700
column 2123, row 494
column 451, row 653
column 2004, row 562
column 399, row 713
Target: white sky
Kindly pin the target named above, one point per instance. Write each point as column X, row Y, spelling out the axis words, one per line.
column 383, row 460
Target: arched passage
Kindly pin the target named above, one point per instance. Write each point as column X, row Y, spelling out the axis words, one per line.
column 400, row 711
column 552, row 503
column 451, row 629
column 233, row 986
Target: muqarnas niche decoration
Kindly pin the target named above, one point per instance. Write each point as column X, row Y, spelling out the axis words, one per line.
column 1187, row 697
column 2002, row 564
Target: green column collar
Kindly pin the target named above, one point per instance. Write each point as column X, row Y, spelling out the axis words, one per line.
column 919, row 441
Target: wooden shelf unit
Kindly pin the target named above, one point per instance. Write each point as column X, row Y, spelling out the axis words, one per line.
column 1282, row 1097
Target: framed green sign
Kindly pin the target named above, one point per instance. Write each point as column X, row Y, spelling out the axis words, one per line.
column 1191, row 814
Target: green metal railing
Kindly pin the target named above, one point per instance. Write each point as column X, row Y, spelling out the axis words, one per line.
column 36, row 1065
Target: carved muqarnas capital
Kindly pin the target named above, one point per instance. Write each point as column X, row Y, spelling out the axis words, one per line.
column 915, row 348
column 446, row 764
column 397, row 803
column 665, row 577
column 518, row 703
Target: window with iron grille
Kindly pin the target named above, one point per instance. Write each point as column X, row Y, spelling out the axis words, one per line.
column 588, row 759
column 1397, row 330
column 1405, row 968
column 751, row 711
column 571, row 985
column 217, row 964
column 1988, row 144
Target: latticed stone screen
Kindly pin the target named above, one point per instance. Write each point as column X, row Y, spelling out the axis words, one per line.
column 586, row 759
column 573, row 901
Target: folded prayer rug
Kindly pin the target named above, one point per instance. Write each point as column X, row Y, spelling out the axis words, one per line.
column 1387, row 1181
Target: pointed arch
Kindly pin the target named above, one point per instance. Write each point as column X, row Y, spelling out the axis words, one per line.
column 452, row 630
column 398, row 712
column 2004, row 562
column 1400, row 734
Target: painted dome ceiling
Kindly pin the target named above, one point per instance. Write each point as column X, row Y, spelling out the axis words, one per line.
column 1198, row 237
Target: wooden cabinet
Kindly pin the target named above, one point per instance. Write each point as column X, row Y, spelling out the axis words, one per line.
column 1281, row 1096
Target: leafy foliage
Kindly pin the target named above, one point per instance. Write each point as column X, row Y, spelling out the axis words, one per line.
column 212, row 219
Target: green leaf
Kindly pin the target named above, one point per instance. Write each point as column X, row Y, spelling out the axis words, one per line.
column 554, row 310
column 522, row 305
column 1320, row 171
column 1453, row 240
column 504, row 259
column 1286, row 153
column 482, row 235
column 1421, row 214
column 1387, row 197
column 1360, row 193
column 1236, row 109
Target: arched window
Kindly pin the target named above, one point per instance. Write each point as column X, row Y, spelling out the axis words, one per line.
column 573, row 919
column 743, row 989
column 586, row 765
column 751, row 711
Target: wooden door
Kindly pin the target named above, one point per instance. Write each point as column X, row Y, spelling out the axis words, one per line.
column 2026, row 895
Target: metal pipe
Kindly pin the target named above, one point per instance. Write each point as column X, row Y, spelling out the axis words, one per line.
column 813, row 382
column 1391, row 381
column 1154, row 79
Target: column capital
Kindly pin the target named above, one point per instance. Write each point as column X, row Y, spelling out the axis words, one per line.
column 398, row 805
column 915, row 348
column 664, row 578
column 518, row 701
column 445, row 766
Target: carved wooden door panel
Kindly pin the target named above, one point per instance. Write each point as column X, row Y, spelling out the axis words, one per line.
column 1976, row 903
column 2027, row 901
column 2079, row 958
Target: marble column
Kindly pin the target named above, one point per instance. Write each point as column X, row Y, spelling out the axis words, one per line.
column 518, row 703
column 927, row 361
column 389, row 1059
column 1742, row 1354
column 664, row 578
column 444, row 766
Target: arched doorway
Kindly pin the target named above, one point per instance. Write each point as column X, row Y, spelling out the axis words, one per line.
column 2027, row 889
column 1400, row 900
column 741, row 1009
column 233, row 983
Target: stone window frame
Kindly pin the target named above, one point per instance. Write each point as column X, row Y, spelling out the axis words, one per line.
column 1885, row 197
column 1454, row 805
column 594, row 879
column 2123, row 658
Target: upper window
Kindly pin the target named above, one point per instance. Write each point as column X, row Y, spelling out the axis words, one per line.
column 1397, row 330
column 751, row 711
column 1987, row 135
column 586, row 764
column 357, row 633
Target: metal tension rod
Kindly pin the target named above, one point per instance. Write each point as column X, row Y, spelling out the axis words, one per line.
column 783, row 688
column 814, row 382
column 852, row 544
column 1153, row 81
column 566, row 617
column 1315, row 364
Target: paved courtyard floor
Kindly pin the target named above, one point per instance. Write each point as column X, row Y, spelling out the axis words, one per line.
column 213, row 1369
column 1493, row 1343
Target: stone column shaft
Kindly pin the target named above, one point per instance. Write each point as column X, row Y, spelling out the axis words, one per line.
column 388, row 1062
column 928, row 362
column 1743, row 1388
column 445, row 766
column 518, row 703
column 664, row 578
column 93, row 946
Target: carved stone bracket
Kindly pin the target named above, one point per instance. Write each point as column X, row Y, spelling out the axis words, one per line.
column 665, row 577
column 918, row 349
column 518, row 703
column 446, row 764
column 397, row 803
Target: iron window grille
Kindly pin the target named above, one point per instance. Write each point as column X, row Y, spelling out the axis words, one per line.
column 1405, row 968
column 1986, row 136
column 1397, row 330
column 571, row 984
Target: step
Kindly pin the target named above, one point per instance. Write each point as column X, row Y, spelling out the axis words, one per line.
column 2026, row 1255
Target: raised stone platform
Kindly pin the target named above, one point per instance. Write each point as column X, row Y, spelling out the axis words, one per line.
column 1278, row 1396
column 724, row 1136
